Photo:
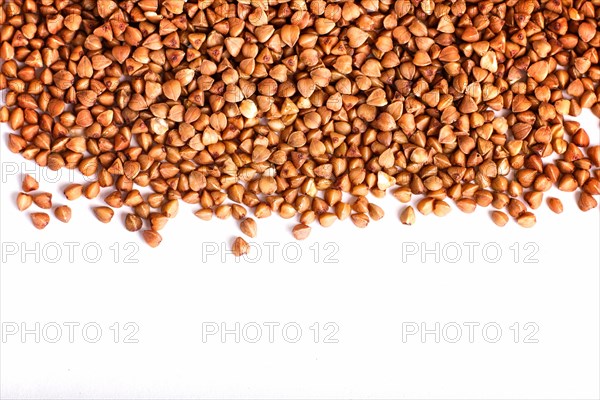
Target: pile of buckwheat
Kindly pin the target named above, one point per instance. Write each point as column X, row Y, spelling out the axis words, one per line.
column 306, row 109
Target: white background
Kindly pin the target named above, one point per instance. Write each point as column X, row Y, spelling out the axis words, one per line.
column 366, row 287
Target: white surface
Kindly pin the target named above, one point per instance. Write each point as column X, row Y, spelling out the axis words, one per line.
column 371, row 297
